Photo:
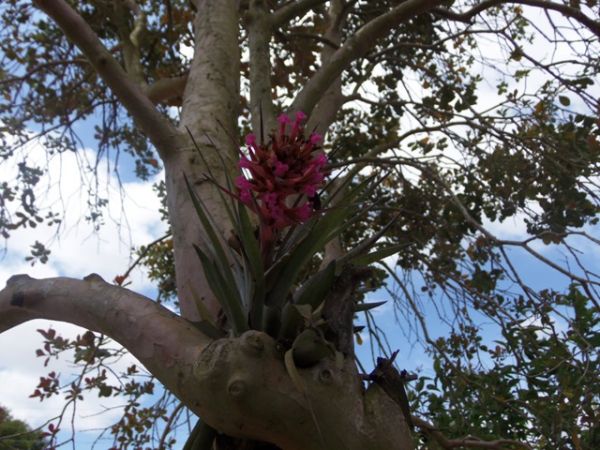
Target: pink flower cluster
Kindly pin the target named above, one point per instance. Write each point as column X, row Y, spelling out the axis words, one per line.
column 280, row 178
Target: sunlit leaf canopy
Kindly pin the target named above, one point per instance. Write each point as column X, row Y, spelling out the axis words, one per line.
column 478, row 115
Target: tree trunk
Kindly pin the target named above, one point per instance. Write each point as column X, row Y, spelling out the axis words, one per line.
column 244, row 389
column 209, row 115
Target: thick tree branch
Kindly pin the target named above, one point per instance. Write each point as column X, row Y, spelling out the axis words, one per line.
column 240, row 386
column 565, row 10
column 314, row 37
column 325, row 408
column 167, row 91
column 355, row 47
column 329, row 104
column 293, row 9
column 158, row 129
column 122, row 12
column 259, row 36
column 213, row 87
column 332, row 99
column 211, row 106
column 165, row 343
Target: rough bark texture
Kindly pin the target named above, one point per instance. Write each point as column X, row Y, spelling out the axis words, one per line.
column 247, row 379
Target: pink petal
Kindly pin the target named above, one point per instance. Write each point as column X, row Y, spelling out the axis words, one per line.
column 320, row 160
column 317, row 178
column 246, row 197
column 278, row 215
column 304, row 212
column 310, row 190
column 245, row 163
column 242, row 183
column 280, row 169
column 270, row 199
column 315, row 138
column 283, row 119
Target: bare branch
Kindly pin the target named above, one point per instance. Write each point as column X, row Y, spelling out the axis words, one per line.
column 315, row 37
column 293, row 9
column 355, row 47
column 158, row 129
column 332, row 98
column 169, row 425
column 565, row 10
column 329, row 104
column 43, row 66
column 139, row 24
column 466, row 442
column 165, row 343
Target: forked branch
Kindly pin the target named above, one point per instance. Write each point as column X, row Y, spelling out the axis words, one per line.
column 294, row 9
column 168, row 91
column 355, row 47
column 240, row 386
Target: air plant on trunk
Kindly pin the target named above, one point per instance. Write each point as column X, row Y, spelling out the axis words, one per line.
column 279, row 224
column 280, row 180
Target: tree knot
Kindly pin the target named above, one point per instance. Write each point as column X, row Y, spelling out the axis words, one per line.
column 94, row 278
column 18, row 279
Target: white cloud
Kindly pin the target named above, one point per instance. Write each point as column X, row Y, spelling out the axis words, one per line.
column 131, row 219
column 512, row 228
column 556, row 324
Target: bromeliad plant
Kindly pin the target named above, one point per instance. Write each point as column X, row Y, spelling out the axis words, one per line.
column 281, row 180
column 255, row 272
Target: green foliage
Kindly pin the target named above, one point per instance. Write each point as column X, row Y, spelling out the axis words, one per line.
column 536, row 383
column 16, row 435
column 159, row 260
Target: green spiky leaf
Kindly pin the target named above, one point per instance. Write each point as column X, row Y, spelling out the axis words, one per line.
column 378, row 255
column 367, row 306
column 226, row 294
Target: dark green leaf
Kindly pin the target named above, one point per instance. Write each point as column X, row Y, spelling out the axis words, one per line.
column 314, row 290
column 367, row 306
column 226, row 294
